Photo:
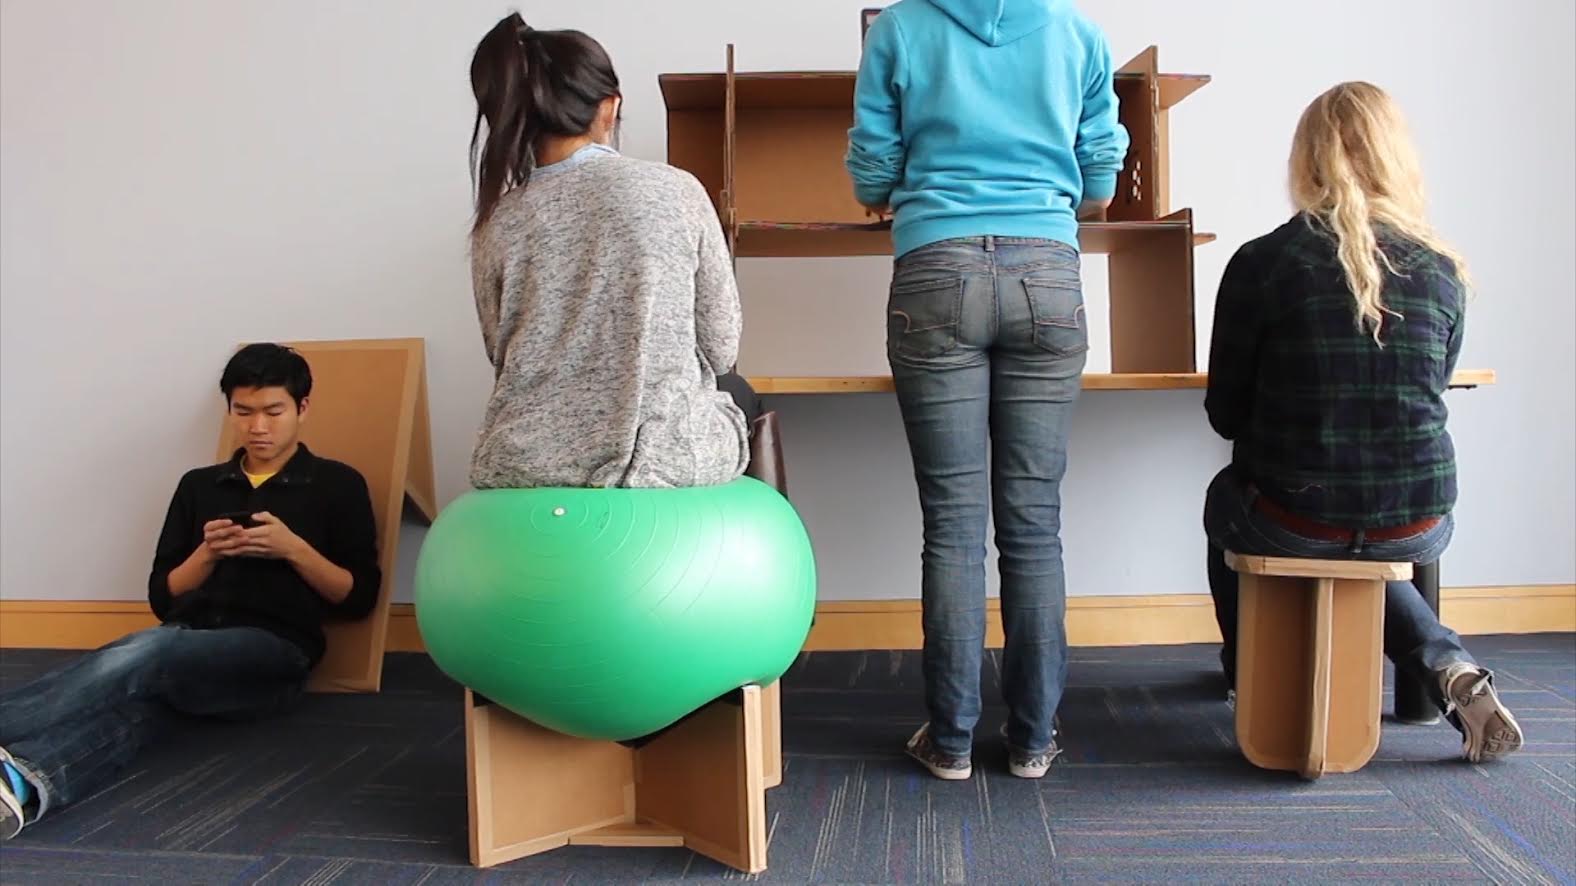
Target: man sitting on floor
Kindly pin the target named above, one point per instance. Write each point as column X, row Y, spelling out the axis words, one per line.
column 255, row 554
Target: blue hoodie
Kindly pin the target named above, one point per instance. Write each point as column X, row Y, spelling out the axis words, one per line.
column 976, row 117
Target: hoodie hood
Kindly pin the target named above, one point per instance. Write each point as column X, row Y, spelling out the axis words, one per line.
column 999, row 22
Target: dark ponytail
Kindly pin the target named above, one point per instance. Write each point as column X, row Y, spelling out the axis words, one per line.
column 530, row 84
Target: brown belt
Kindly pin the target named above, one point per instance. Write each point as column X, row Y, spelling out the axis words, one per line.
column 1325, row 532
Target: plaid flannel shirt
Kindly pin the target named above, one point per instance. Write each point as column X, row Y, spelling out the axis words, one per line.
column 1324, row 421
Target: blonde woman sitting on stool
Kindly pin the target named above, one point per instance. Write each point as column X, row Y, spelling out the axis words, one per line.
column 1334, row 341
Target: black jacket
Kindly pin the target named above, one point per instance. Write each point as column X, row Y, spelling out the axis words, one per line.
column 323, row 501
column 1325, row 422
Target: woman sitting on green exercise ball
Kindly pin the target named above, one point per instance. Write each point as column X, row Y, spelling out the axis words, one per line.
column 603, row 284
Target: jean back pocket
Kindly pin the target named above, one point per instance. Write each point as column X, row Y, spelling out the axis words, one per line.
column 923, row 316
column 1061, row 326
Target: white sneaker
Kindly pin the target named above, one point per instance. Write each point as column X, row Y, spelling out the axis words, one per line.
column 1488, row 731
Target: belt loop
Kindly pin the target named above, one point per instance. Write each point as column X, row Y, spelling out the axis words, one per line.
column 1357, row 541
column 990, row 242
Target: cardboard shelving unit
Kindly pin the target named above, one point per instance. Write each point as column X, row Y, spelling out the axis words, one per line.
column 769, row 148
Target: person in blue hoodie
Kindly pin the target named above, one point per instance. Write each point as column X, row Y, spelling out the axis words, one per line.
column 987, row 129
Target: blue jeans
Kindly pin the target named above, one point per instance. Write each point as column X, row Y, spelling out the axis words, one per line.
column 71, row 730
column 987, row 341
column 1414, row 638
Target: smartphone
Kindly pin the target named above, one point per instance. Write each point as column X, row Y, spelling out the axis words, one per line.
column 242, row 519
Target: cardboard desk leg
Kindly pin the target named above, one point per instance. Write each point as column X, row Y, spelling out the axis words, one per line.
column 1412, row 702
column 699, row 785
column 1309, row 672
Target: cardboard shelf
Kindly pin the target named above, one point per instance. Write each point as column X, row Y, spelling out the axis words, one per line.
column 835, row 89
column 1093, row 381
column 770, row 149
column 759, row 89
column 808, row 239
column 758, row 239
column 1176, row 87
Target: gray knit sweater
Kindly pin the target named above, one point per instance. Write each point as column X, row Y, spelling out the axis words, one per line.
column 607, row 306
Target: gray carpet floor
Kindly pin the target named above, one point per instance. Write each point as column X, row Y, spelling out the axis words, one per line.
column 370, row 789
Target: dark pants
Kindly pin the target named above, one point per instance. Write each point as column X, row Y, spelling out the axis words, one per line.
column 71, row 730
column 744, row 396
column 1414, row 638
column 987, row 345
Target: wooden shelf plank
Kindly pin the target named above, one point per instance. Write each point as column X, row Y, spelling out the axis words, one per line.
column 806, row 239
column 1093, row 381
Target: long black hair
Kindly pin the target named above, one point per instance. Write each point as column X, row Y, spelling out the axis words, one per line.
column 529, row 84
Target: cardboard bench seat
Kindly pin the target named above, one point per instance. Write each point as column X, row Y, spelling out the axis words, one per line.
column 1310, row 648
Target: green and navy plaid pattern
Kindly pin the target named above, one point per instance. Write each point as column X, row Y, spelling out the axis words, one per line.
column 1324, row 421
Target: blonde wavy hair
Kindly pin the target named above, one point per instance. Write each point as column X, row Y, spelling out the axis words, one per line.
column 1354, row 171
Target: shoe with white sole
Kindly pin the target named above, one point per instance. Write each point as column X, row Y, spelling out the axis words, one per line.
column 1488, row 731
column 1026, row 765
column 943, row 766
column 10, row 811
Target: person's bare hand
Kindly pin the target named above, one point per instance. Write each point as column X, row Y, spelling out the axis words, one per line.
column 272, row 539
column 223, row 538
column 1093, row 210
column 879, row 213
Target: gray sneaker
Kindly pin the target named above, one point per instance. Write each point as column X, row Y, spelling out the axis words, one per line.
column 1488, row 731
column 941, row 765
column 1026, row 765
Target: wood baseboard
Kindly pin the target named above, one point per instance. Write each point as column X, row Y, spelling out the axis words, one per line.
column 869, row 624
column 89, row 624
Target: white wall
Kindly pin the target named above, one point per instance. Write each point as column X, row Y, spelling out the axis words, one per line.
column 180, row 175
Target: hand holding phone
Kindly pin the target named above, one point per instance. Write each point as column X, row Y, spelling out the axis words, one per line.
column 269, row 538
column 243, row 519
column 225, row 535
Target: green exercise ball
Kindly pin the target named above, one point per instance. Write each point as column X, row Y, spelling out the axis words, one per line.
column 613, row 613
